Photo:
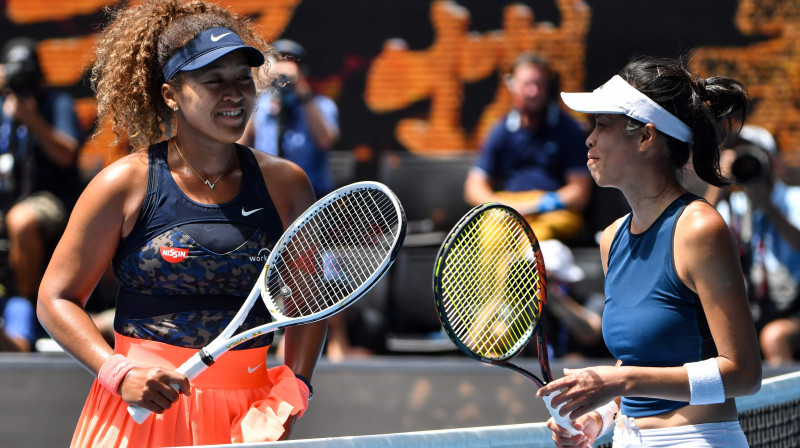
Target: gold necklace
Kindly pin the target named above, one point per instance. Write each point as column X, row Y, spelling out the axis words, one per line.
column 205, row 181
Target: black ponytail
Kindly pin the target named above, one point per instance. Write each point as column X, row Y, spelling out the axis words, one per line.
column 714, row 108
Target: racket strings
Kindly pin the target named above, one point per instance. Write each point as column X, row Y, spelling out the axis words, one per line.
column 312, row 282
column 490, row 286
column 502, row 311
column 334, row 253
column 485, row 278
column 304, row 297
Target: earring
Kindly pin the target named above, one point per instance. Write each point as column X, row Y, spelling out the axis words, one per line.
column 175, row 108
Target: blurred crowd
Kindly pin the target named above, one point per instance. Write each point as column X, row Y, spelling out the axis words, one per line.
column 534, row 159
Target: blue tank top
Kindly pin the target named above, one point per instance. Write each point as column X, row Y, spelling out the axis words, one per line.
column 652, row 318
column 186, row 267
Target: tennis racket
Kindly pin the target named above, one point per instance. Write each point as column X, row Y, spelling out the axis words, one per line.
column 326, row 260
column 489, row 285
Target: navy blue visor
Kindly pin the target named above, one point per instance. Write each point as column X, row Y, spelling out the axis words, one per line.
column 207, row 47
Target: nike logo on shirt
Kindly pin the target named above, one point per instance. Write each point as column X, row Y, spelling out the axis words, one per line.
column 253, row 369
column 216, row 38
column 250, row 212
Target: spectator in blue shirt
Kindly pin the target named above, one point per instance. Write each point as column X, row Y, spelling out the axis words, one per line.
column 535, row 157
column 294, row 123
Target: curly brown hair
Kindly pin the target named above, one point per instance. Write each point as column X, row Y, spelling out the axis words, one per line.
column 131, row 53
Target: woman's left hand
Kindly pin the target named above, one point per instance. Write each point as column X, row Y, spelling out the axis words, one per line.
column 589, row 425
column 584, row 390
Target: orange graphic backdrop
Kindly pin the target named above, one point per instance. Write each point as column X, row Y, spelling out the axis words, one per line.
column 65, row 61
column 398, row 76
column 770, row 69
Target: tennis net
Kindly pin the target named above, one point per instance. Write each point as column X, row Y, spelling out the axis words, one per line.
column 770, row 419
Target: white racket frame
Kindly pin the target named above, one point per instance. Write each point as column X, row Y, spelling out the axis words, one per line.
column 206, row 356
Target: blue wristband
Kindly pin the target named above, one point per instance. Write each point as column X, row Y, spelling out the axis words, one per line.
column 308, row 383
column 550, row 202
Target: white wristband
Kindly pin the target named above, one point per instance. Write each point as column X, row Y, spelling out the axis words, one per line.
column 705, row 382
column 608, row 412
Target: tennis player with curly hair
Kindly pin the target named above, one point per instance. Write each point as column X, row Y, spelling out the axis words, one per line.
column 185, row 221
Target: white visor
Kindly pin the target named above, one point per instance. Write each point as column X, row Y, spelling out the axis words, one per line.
column 618, row 97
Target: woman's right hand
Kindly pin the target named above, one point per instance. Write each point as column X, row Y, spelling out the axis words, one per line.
column 589, row 424
column 153, row 388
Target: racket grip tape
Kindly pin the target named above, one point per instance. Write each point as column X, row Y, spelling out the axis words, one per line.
column 191, row 368
column 563, row 422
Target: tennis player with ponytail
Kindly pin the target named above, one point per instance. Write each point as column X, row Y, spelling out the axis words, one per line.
column 186, row 221
column 676, row 315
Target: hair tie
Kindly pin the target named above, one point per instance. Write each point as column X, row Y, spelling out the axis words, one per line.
column 702, row 89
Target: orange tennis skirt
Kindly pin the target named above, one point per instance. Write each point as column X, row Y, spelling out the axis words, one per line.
column 236, row 400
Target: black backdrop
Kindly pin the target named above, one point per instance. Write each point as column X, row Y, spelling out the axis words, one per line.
column 343, row 37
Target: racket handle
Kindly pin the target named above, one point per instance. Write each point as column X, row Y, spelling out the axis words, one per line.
column 191, row 368
column 139, row 414
column 563, row 422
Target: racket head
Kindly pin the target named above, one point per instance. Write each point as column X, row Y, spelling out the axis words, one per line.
column 489, row 283
column 333, row 253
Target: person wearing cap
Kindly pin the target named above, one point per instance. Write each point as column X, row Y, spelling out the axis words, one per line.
column 39, row 180
column 533, row 159
column 576, row 330
column 293, row 122
column 184, row 220
column 676, row 316
column 764, row 215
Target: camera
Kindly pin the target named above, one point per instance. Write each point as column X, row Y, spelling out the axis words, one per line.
column 285, row 91
column 751, row 165
column 22, row 77
column 21, row 68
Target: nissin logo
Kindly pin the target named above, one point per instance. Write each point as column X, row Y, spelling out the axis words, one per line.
column 174, row 254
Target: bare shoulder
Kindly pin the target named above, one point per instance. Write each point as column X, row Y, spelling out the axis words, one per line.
column 703, row 246
column 111, row 202
column 609, row 232
column 287, row 184
column 701, row 225
column 607, row 237
column 279, row 170
column 124, row 176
